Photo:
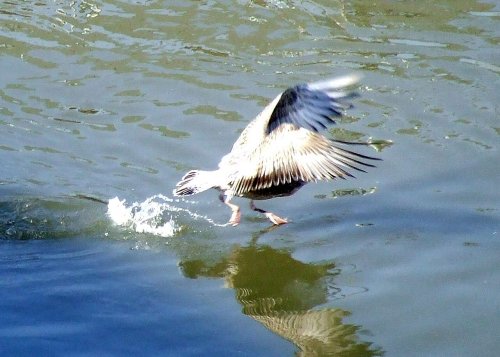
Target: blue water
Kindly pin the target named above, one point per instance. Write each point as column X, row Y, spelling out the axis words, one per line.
column 82, row 296
column 104, row 106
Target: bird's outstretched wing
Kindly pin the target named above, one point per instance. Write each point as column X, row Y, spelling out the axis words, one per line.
column 293, row 150
column 296, row 155
column 312, row 106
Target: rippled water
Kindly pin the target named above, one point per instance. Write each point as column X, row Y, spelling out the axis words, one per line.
column 105, row 105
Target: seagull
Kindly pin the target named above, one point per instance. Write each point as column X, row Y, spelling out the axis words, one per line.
column 282, row 149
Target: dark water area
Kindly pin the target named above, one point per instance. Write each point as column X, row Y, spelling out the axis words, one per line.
column 105, row 105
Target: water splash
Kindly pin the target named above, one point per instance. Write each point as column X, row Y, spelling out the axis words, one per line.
column 156, row 215
column 151, row 216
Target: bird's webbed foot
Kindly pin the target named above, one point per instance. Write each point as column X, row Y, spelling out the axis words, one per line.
column 271, row 216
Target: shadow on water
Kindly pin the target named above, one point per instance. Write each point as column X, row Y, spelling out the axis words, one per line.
column 285, row 296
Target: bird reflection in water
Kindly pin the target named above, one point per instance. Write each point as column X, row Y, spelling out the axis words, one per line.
column 281, row 293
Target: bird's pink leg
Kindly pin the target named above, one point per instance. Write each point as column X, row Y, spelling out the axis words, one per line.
column 236, row 214
column 271, row 216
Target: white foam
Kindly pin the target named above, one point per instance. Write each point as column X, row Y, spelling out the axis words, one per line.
column 156, row 215
column 151, row 216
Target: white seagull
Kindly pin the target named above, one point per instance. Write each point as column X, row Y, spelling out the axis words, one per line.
column 282, row 149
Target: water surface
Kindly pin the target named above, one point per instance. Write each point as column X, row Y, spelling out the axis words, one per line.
column 115, row 100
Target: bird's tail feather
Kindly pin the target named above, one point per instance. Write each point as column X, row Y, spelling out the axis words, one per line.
column 193, row 182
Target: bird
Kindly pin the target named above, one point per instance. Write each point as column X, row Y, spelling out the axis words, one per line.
column 283, row 148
